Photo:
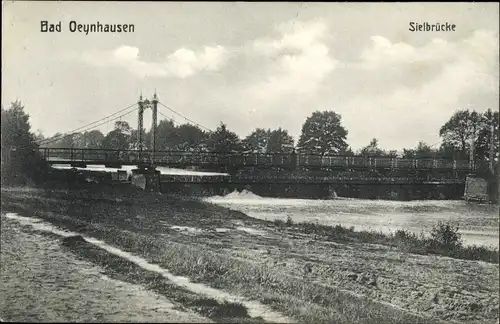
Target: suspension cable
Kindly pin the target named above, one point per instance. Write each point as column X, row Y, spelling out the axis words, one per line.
column 87, row 129
column 189, row 120
column 84, row 127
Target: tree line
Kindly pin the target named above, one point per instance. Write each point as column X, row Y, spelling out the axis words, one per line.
column 322, row 133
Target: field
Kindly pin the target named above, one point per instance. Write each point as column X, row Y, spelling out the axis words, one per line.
column 272, row 269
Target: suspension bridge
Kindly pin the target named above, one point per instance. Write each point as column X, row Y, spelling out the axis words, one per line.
column 147, row 159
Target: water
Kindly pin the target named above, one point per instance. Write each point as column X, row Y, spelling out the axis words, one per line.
column 478, row 224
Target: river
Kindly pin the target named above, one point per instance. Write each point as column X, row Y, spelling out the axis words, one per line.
column 478, row 224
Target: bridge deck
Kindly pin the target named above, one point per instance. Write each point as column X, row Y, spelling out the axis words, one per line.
column 236, row 160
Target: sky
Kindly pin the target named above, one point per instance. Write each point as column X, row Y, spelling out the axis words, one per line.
column 250, row 65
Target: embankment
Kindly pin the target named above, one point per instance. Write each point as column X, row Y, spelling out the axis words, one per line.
column 296, row 274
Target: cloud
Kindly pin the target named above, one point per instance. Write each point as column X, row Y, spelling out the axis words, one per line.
column 396, row 91
column 182, row 63
column 301, row 61
column 464, row 74
column 382, row 53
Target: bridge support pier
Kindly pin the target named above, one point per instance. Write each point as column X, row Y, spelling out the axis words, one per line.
column 146, row 178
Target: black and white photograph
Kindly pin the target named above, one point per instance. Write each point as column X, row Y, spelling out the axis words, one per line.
column 250, row 162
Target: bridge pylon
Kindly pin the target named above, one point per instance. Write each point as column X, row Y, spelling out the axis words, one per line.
column 146, row 176
column 143, row 105
column 140, row 126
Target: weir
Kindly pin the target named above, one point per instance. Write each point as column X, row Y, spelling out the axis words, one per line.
column 318, row 190
column 150, row 179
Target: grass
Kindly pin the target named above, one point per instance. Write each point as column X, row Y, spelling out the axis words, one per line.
column 122, row 269
column 301, row 299
column 113, row 222
column 306, row 302
column 444, row 240
column 105, row 216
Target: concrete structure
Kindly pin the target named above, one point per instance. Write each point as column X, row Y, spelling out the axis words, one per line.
column 146, row 179
column 476, row 189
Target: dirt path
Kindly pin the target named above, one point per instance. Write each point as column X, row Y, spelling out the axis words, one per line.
column 42, row 283
column 255, row 309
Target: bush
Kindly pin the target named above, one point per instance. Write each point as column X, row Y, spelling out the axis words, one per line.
column 479, row 253
column 278, row 222
column 409, row 242
column 445, row 236
column 402, row 235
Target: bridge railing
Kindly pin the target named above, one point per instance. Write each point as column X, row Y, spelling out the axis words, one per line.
column 240, row 159
column 82, row 155
column 186, row 158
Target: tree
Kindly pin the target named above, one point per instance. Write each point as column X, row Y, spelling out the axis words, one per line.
column 485, row 137
column 190, row 137
column 422, row 151
column 449, row 152
column 119, row 138
column 167, row 137
column 323, row 133
column 21, row 160
column 267, row 141
column 185, row 137
column 257, row 141
column 223, row 140
column 347, row 152
column 77, row 140
column 134, row 145
column 62, row 141
column 392, row 154
column 92, row 140
column 462, row 128
column 38, row 136
column 372, row 149
column 280, row 142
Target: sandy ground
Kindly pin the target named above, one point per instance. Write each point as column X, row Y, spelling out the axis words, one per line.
column 42, row 283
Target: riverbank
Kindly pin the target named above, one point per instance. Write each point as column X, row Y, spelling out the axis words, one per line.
column 478, row 223
column 297, row 274
column 445, row 240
